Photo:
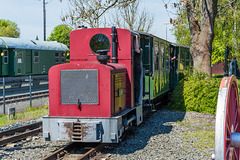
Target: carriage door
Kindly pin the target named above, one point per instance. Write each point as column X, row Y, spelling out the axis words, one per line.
column 146, row 45
column 28, row 62
column 5, row 63
column 173, row 66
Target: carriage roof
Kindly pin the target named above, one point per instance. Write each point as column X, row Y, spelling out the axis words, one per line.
column 179, row 45
column 20, row 43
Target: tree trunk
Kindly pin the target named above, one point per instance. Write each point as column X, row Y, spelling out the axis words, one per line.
column 201, row 49
column 202, row 33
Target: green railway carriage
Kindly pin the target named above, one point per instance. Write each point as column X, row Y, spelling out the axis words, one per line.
column 156, row 67
column 160, row 72
column 183, row 62
column 21, row 57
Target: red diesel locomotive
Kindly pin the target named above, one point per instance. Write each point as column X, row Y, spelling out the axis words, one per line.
column 91, row 99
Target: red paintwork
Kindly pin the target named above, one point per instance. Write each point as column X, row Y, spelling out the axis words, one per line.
column 103, row 109
column 80, row 49
column 81, row 57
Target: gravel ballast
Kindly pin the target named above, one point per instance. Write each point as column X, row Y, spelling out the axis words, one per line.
column 165, row 134
column 169, row 135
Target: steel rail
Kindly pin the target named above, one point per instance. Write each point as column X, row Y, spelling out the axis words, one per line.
column 55, row 154
column 24, row 97
column 91, row 153
column 66, row 150
column 20, row 129
column 8, row 139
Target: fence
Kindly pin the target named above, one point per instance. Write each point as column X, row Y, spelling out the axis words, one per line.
column 17, row 85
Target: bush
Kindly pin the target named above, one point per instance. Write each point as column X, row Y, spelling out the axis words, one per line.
column 196, row 94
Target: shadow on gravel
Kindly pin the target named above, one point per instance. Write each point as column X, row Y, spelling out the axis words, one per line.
column 154, row 129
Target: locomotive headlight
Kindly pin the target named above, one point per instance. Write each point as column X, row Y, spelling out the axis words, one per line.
column 2, row 54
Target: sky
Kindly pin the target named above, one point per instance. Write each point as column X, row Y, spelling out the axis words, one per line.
column 28, row 14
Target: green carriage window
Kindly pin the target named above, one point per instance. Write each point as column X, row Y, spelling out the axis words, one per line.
column 5, row 53
column 56, row 57
column 156, row 56
column 36, row 57
column 187, row 55
column 182, row 65
column 167, row 57
column 5, row 57
column 163, row 54
column 63, row 58
column 187, row 64
column 182, row 55
column 20, row 57
column 35, row 53
column 99, row 42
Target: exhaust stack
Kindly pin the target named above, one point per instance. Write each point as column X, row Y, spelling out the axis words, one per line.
column 114, row 45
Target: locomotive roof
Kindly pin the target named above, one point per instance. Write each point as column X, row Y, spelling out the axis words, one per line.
column 20, row 43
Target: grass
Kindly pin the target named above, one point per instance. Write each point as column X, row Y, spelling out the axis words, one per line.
column 201, row 139
column 181, row 123
column 30, row 113
column 199, row 134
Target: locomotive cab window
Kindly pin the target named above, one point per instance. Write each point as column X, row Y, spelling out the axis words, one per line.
column 99, row 42
column 36, row 57
column 56, row 57
column 5, row 57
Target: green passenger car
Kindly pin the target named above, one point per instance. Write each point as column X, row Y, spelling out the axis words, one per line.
column 160, row 68
column 21, row 57
column 182, row 64
column 156, row 67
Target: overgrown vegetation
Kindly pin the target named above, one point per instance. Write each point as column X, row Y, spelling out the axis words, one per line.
column 30, row 113
column 196, row 93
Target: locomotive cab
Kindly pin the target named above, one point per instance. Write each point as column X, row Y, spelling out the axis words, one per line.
column 90, row 98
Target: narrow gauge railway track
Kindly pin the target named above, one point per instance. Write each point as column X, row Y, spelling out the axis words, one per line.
column 20, row 133
column 23, row 97
column 75, row 151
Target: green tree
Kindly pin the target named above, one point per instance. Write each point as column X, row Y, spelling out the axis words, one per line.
column 226, row 30
column 60, row 33
column 9, row 29
column 201, row 17
column 181, row 31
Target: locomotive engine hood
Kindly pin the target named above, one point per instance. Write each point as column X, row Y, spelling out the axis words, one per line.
column 86, row 89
